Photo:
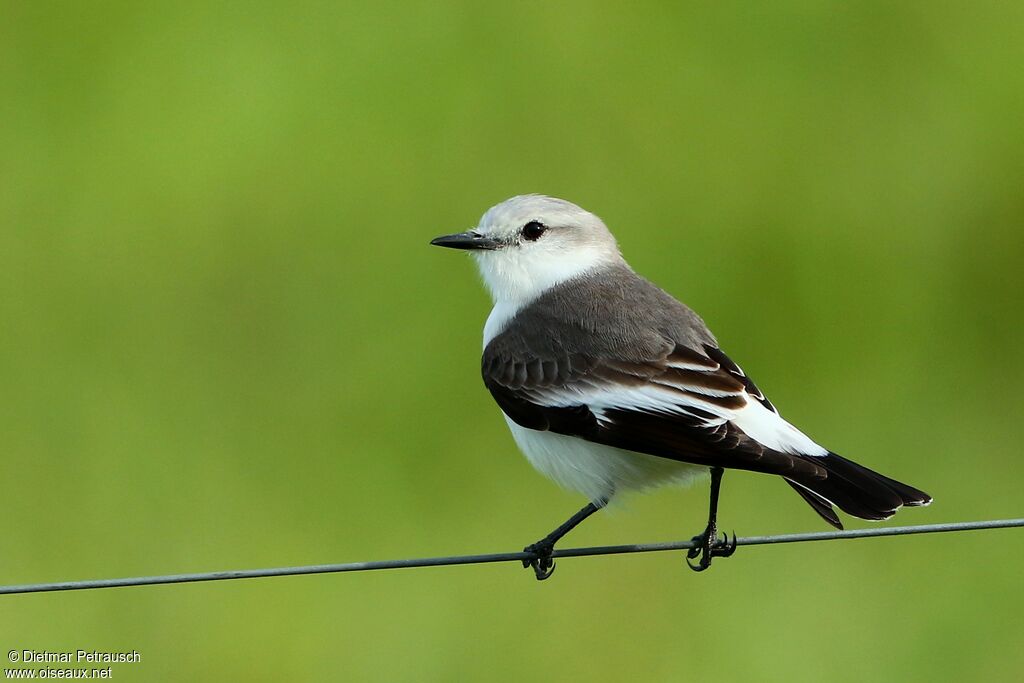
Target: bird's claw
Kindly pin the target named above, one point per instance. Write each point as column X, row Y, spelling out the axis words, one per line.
column 543, row 565
column 708, row 546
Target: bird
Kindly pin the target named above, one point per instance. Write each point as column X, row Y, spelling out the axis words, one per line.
column 610, row 385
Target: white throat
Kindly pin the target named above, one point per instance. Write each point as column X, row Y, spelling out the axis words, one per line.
column 515, row 279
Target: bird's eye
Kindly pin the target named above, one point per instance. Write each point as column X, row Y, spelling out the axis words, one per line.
column 533, row 230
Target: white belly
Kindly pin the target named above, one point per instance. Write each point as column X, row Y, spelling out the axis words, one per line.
column 595, row 470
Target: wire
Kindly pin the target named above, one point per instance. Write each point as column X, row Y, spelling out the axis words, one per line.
column 497, row 557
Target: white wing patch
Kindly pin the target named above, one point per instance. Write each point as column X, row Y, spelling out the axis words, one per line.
column 770, row 429
column 683, row 365
column 663, row 396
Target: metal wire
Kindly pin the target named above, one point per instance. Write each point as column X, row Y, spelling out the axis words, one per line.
column 497, row 557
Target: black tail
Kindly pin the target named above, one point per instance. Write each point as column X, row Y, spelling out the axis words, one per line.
column 855, row 490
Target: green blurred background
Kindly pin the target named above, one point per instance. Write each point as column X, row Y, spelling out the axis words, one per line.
column 226, row 344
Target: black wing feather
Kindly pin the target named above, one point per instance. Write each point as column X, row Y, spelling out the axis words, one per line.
column 693, row 435
column 677, row 436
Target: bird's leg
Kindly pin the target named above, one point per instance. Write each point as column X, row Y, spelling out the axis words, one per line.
column 708, row 545
column 543, row 565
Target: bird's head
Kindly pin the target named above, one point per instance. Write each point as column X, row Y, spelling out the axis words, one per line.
column 530, row 243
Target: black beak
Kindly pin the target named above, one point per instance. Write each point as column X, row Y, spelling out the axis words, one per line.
column 465, row 240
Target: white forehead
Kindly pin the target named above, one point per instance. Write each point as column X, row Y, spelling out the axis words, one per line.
column 516, row 212
column 520, row 270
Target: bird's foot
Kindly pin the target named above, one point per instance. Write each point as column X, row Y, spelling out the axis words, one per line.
column 708, row 546
column 543, row 565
